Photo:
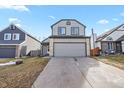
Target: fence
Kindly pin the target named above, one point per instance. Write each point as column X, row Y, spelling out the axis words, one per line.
column 34, row 53
column 95, row 52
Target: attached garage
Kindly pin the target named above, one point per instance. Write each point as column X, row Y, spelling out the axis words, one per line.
column 7, row 51
column 70, row 49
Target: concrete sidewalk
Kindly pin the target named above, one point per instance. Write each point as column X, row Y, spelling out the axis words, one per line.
column 80, row 73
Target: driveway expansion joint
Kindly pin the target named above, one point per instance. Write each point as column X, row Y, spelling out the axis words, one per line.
column 77, row 64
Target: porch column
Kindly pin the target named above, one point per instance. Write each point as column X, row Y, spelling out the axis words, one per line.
column 17, row 55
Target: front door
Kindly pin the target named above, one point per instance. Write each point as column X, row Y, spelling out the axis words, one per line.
column 118, row 47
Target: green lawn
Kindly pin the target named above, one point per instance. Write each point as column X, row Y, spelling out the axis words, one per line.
column 22, row 75
column 115, row 60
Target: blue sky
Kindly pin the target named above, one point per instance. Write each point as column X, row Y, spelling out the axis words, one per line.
column 36, row 20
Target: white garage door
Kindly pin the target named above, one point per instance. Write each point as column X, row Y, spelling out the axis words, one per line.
column 69, row 49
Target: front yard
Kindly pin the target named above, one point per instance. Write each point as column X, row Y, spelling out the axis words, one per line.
column 114, row 60
column 22, row 75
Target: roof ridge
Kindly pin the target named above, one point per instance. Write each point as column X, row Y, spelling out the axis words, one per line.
column 120, row 38
column 109, row 32
column 68, row 19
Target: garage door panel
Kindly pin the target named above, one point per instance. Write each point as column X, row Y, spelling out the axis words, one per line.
column 7, row 52
column 69, row 49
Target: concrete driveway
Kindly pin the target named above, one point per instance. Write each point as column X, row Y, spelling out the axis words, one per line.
column 79, row 73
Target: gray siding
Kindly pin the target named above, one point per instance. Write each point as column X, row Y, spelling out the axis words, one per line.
column 11, row 41
column 8, row 30
column 24, row 45
column 104, row 46
column 45, row 50
column 63, row 23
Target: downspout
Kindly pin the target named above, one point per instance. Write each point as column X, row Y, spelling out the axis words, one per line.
column 93, row 38
column 93, row 42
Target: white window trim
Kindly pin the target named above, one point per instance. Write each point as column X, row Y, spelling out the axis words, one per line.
column 110, row 45
column 74, row 32
column 16, row 38
column 7, row 34
column 60, row 31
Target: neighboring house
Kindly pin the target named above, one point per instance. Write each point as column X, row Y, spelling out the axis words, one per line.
column 15, row 42
column 45, row 47
column 121, row 39
column 68, row 39
column 112, row 40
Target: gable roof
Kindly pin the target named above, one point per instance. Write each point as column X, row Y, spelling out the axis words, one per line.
column 68, row 20
column 21, row 30
column 45, row 41
column 102, row 36
column 121, row 38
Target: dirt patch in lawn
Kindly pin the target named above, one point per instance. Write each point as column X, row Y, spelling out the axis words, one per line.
column 5, row 60
column 115, row 60
column 23, row 75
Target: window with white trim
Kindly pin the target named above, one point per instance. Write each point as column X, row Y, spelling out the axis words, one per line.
column 62, row 31
column 16, row 36
column 7, row 36
column 110, row 45
column 74, row 30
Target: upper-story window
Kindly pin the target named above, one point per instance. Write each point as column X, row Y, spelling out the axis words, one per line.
column 62, row 31
column 74, row 30
column 16, row 36
column 7, row 36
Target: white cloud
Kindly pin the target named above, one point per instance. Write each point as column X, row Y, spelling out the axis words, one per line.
column 18, row 24
column 103, row 21
column 106, row 30
column 115, row 19
column 122, row 14
column 13, row 19
column 15, row 7
column 52, row 17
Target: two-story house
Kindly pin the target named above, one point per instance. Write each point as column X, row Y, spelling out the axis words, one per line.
column 68, row 39
column 15, row 42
